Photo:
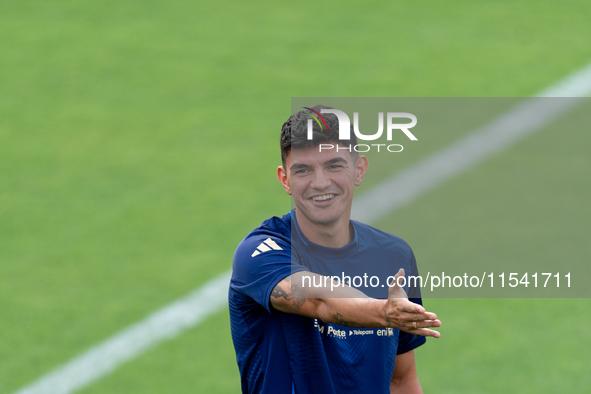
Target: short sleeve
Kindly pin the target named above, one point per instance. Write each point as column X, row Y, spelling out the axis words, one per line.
column 260, row 262
column 408, row 342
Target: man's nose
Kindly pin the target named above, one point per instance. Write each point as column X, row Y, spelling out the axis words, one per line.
column 321, row 180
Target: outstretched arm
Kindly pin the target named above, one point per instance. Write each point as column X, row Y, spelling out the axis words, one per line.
column 349, row 307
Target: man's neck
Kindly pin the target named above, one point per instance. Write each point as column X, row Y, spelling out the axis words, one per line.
column 333, row 235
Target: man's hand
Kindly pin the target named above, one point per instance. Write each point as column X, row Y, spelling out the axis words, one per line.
column 349, row 307
column 407, row 316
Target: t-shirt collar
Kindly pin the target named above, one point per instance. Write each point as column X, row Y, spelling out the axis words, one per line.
column 331, row 253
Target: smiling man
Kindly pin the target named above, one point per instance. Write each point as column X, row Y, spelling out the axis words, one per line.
column 295, row 329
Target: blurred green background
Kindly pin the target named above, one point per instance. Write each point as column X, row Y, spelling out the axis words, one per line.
column 138, row 146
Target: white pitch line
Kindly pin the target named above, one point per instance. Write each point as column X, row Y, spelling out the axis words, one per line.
column 131, row 342
column 189, row 311
column 473, row 149
column 464, row 154
column 578, row 84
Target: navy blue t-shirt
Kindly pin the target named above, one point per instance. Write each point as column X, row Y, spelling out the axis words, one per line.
column 283, row 353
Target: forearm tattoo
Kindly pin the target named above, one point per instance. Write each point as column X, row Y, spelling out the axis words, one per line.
column 278, row 292
column 340, row 320
column 296, row 297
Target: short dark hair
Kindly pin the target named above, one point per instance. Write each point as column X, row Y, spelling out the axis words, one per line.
column 294, row 132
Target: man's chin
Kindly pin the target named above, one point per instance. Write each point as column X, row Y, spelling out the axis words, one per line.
column 322, row 216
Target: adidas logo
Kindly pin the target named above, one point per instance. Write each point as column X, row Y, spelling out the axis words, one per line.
column 265, row 246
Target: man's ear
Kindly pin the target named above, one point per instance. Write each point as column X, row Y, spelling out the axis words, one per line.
column 283, row 177
column 360, row 169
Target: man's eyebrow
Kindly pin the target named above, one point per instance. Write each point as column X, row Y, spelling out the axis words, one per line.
column 335, row 160
column 326, row 163
column 298, row 165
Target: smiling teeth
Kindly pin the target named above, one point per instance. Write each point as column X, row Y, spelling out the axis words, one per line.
column 323, row 198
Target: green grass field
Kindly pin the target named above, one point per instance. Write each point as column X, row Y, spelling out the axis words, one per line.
column 138, row 146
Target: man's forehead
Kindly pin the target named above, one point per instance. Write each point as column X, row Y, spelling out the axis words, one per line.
column 313, row 155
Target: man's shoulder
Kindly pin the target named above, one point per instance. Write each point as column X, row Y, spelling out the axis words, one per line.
column 382, row 239
column 263, row 256
column 274, row 234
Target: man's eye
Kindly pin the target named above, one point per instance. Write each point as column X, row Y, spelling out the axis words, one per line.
column 335, row 166
column 299, row 172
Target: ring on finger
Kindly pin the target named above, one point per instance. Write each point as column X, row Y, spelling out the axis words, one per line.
column 414, row 324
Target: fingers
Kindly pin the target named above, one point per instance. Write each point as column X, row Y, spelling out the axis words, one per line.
column 407, row 306
column 426, row 333
column 414, row 312
column 406, row 315
column 418, row 316
column 399, row 274
column 422, row 328
column 393, row 288
column 425, row 324
column 411, row 326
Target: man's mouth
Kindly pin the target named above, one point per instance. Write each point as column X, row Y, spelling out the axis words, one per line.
column 323, row 197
